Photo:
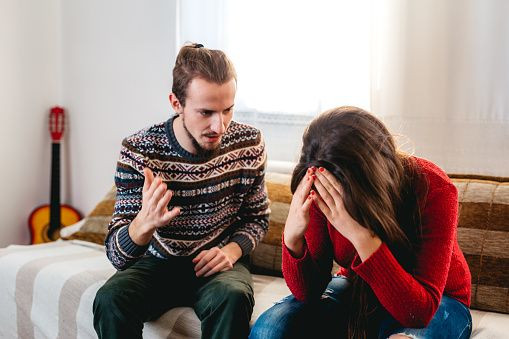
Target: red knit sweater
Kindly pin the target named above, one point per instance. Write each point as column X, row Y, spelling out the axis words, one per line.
column 411, row 299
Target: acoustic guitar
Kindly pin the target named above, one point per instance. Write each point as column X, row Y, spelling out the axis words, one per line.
column 46, row 221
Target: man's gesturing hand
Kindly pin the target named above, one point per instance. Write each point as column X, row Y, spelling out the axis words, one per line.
column 154, row 209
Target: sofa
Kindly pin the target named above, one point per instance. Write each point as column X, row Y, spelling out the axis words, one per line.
column 48, row 289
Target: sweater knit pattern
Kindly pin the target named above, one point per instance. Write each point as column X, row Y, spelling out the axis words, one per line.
column 221, row 195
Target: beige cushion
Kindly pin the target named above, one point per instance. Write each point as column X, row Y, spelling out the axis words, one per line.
column 94, row 226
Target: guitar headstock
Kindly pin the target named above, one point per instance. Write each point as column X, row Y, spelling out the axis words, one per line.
column 56, row 123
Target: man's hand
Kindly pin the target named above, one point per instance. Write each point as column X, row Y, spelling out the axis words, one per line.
column 154, row 210
column 208, row 262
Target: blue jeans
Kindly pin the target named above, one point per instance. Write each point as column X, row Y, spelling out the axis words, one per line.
column 327, row 317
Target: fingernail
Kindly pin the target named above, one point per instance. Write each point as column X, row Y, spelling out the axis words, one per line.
column 321, row 169
column 312, row 192
column 310, row 170
column 310, row 197
column 313, row 176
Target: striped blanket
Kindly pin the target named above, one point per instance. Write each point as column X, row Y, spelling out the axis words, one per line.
column 47, row 291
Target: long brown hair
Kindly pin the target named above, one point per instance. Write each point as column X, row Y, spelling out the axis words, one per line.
column 380, row 190
column 196, row 61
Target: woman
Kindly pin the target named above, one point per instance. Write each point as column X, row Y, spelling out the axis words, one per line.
column 389, row 220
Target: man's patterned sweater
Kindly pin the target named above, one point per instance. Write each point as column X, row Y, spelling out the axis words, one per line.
column 222, row 196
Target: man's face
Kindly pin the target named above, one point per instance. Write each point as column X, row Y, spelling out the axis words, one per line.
column 206, row 115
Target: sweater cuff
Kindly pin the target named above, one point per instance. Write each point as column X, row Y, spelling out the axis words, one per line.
column 127, row 245
column 244, row 242
column 288, row 257
column 376, row 267
column 291, row 257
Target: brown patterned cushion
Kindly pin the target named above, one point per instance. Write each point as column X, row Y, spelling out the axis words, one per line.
column 483, row 235
column 266, row 258
column 95, row 226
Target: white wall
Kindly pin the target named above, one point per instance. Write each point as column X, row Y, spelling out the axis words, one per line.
column 29, row 83
column 108, row 63
column 117, row 61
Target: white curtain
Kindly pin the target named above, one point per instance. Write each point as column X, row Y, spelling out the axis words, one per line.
column 441, row 78
column 437, row 72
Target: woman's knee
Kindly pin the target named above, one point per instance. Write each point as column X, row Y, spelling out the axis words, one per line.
column 279, row 321
column 268, row 326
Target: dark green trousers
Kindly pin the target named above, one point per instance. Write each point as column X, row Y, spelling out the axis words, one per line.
column 143, row 292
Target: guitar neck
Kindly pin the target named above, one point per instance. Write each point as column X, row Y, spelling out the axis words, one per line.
column 55, row 188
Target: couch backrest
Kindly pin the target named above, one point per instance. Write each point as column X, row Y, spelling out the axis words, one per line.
column 483, row 233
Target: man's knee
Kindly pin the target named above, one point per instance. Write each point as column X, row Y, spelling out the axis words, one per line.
column 104, row 299
column 230, row 294
column 110, row 298
column 237, row 295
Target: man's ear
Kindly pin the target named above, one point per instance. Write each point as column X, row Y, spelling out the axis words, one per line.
column 175, row 103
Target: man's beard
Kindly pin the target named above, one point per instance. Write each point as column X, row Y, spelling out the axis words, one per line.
column 200, row 151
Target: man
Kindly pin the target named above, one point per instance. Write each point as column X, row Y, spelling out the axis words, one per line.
column 191, row 205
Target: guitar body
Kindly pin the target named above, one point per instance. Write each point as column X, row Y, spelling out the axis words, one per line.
column 39, row 223
column 46, row 221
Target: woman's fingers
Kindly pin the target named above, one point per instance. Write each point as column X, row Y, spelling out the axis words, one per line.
column 324, row 193
column 307, row 203
column 330, row 182
column 305, row 185
column 326, row 210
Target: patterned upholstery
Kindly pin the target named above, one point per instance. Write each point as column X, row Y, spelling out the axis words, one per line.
column 95, row 225
column 266, row 258
column 483, row 233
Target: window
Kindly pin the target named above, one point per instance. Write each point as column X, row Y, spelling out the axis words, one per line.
column 294, row 59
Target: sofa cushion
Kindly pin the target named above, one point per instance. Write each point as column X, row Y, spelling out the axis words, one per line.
column 483, row 235
column 94, row 226
column 266, row 258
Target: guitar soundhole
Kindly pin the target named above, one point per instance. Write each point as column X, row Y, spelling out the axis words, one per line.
column 50, row 235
